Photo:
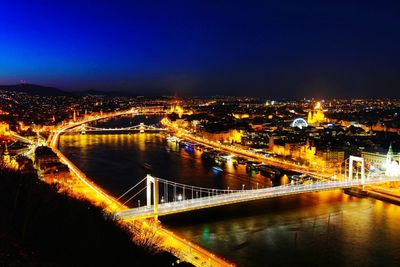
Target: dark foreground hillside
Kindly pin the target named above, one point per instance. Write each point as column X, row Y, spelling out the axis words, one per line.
column 39, row 227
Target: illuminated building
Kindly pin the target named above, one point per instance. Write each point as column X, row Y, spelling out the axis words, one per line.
column 179, row 123
column 257, row 127
column 331, row 156
column 375, row 159
column 4, row 128
column 392, row 166
column 240, row 116
column 22, row 126
column 179, row 110
column 308, row 151
column 284, row 148
column 316, row 115
column 176, row 109
column 388, row 162
column 6, row 155
column 389, row 155
column 9, row 162
column 231, row 136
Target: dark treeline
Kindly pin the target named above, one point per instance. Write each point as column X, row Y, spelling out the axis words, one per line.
column 40, row 227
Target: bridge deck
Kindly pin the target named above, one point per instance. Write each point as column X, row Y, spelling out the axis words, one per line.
column 125, row 130
column 136, row 128
column 241, row 196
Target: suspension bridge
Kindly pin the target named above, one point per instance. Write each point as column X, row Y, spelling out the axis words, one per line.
column 84, row 128
column 164, row 197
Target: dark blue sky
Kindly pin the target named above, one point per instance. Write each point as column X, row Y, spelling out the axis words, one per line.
column 265, row 48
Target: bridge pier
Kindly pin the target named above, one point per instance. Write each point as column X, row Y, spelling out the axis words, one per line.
column 152, row 181
column 361, row 160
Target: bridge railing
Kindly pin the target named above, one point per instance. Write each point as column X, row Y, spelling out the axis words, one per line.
column 246, row 195
column 87, row 128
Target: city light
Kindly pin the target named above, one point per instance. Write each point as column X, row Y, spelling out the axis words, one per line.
column 177, row 134
column 316, row 171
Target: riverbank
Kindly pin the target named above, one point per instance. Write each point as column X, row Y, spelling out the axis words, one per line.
column 142, row 230
column 374, row 192
column 245, row 234
column 371, row 191
column 40, row 226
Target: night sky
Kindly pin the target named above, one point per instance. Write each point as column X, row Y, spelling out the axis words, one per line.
column 266, row 48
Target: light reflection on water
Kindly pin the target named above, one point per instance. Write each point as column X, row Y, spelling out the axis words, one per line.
column 317, row 229
column 121, row 159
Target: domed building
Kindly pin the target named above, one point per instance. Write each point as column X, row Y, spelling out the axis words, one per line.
column 176, row 109
column 316, row 115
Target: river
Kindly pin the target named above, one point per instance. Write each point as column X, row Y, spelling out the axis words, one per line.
column 315, row 229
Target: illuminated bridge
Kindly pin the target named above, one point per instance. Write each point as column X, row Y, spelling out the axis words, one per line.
column 165, row 197
column 84, row 128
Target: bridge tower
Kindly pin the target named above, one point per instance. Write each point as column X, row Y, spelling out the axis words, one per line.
column 83, row 129
column 141, row 127
column 353, row 159
column 152, row 181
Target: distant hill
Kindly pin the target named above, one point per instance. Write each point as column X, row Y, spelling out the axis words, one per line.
column 133, row 93
column 34, row 89
column 104, row 93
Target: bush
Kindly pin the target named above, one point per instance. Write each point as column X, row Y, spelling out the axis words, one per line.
column 41, row 227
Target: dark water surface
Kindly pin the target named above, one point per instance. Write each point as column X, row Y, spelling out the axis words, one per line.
column 316, row 229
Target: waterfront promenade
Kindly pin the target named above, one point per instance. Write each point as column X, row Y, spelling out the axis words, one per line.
column 177, row 245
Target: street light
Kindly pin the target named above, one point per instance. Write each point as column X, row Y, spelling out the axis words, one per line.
column 242, row 186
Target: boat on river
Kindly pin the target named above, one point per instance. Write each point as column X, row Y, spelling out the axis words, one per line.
column 217, row 169
column 268, row 169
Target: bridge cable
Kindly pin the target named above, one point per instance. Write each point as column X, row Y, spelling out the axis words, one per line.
column 135, row 195
column 131, row 188
column 203, row 189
